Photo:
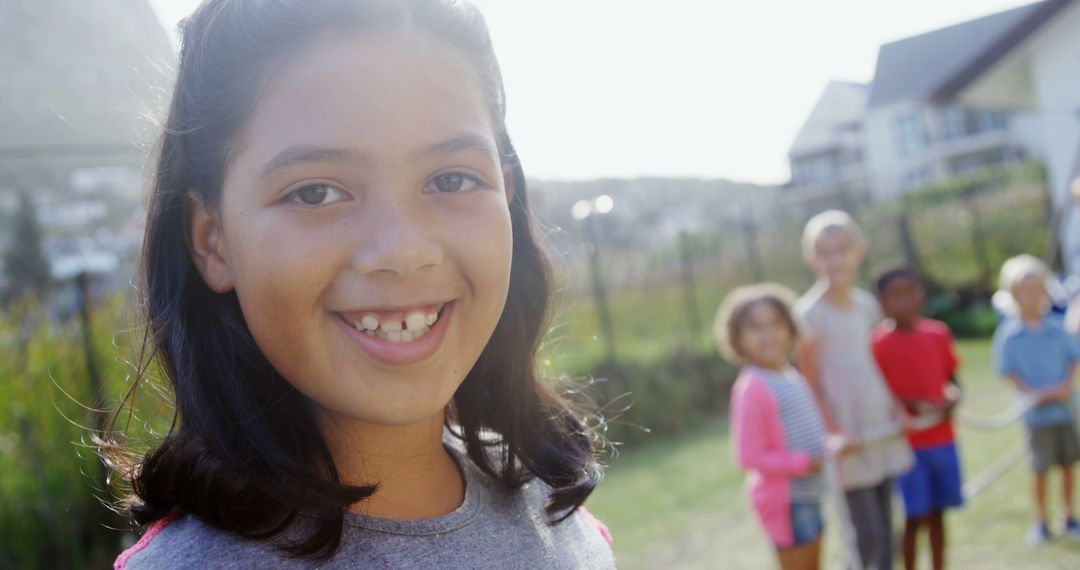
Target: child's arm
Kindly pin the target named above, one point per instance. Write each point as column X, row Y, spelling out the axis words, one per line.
column 953, row 394
column 1019, row 384
column 899, row 406
column 1063, row 390
column 1041, row 396
column 807, row 363
column 953, row 391
column 751, row 413
column 1003, row 363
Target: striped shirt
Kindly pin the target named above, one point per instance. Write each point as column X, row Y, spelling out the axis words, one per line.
column 804, row 429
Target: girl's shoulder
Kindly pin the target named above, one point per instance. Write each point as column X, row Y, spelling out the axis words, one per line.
column 751, row 386
column 807, row 302
column 865, row 299
column 746, row 380
column 187, row 542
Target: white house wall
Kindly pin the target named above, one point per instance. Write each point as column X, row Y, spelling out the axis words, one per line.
column 886, row 163
column 1055, row 76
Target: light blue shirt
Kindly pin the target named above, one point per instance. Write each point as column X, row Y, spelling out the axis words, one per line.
column 1040, row 357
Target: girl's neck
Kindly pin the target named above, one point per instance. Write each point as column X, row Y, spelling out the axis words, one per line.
column 416, row 476
column 771, row 366
column 837, row 295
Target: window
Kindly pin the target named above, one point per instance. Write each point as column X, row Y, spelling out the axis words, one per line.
column 910, row 138
column 954, row 123
column 986, row 121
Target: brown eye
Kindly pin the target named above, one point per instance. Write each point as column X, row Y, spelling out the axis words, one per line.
column 316, row 195
column 452, row 182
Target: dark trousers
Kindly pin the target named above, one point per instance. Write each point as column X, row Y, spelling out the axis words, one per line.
column 871, row 515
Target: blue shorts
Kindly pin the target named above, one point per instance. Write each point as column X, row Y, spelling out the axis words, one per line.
column 933, row 484
column 806, row 522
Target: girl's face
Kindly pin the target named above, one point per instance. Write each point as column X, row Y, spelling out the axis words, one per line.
column 364, row 226
column 837, row 255
column 764, row 338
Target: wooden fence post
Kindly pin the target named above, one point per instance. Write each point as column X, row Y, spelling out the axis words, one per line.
column 689, row 287
column 753, row 254
column 907, row 240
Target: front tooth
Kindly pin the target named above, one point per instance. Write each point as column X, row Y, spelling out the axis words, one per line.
column 369, row 322
column 415, row 321
column 406, row 336
column 430, row 318
column 393, row 336
column 391, row 326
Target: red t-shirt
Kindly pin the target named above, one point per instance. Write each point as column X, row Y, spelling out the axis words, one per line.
column 917, row 365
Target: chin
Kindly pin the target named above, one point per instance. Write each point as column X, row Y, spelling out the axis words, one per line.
column 844, row 280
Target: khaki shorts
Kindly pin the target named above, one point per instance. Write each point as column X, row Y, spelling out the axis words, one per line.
column 1053, row 446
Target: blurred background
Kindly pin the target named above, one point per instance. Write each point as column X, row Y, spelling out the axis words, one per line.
column 675, row 150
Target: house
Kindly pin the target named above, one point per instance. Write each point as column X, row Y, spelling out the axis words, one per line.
column 827, row 159
column 916, row 133
column 83, row 84
column 1035, row 70
column 911, row 125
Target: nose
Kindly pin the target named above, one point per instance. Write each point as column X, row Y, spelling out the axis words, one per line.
column 397, row 239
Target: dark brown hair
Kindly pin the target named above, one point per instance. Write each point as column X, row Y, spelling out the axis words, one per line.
column 243, row 452
column 733, row 311
column 895, row 272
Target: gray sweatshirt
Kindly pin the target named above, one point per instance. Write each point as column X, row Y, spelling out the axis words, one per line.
column 494, row 528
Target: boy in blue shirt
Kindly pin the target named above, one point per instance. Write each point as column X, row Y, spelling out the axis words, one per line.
column 1039, row 357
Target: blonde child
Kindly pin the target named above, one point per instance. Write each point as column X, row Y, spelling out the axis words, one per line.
column 1035, row 353
column 777, row 431
column 345, row 295
column 836, row 357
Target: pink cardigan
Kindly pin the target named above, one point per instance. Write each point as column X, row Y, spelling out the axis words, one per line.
column 759, row 447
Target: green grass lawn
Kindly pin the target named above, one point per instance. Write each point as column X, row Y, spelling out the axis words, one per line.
column 679, row 502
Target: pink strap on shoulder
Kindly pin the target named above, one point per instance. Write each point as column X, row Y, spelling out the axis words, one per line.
column 154, row 530
column 604, row 532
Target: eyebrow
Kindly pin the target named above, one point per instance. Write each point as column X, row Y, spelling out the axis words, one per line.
column 294, row 155
column 299, row 154
column 459, row 144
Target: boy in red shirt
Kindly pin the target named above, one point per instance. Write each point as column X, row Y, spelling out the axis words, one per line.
column 916, row 356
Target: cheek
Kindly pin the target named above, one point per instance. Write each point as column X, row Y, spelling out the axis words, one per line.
column 280, row 272
column 483, row 245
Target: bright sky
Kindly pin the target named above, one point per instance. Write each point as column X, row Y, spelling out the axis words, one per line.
column 709, row 88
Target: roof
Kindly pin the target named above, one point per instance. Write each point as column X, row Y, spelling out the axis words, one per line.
column 935, row 65
column 80, row 75
column 841, row 103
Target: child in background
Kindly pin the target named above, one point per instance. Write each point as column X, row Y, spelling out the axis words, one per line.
column 777, row 431
column 917, row 358
column 1033, row 350
column 835, row 356
column 345, row 294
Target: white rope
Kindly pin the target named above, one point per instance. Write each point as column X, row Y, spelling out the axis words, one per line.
column 1002, row 419
column 977, row 484
column 891, row 430
column 833, row 446
column 848, row 540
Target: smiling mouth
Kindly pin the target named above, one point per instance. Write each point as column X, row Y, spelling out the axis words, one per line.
column 395, row 326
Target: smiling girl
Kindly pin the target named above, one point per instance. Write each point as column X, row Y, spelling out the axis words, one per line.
column 777, row 433
column 345, row 294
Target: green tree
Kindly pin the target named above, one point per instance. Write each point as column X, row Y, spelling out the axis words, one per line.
column 25, row 266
